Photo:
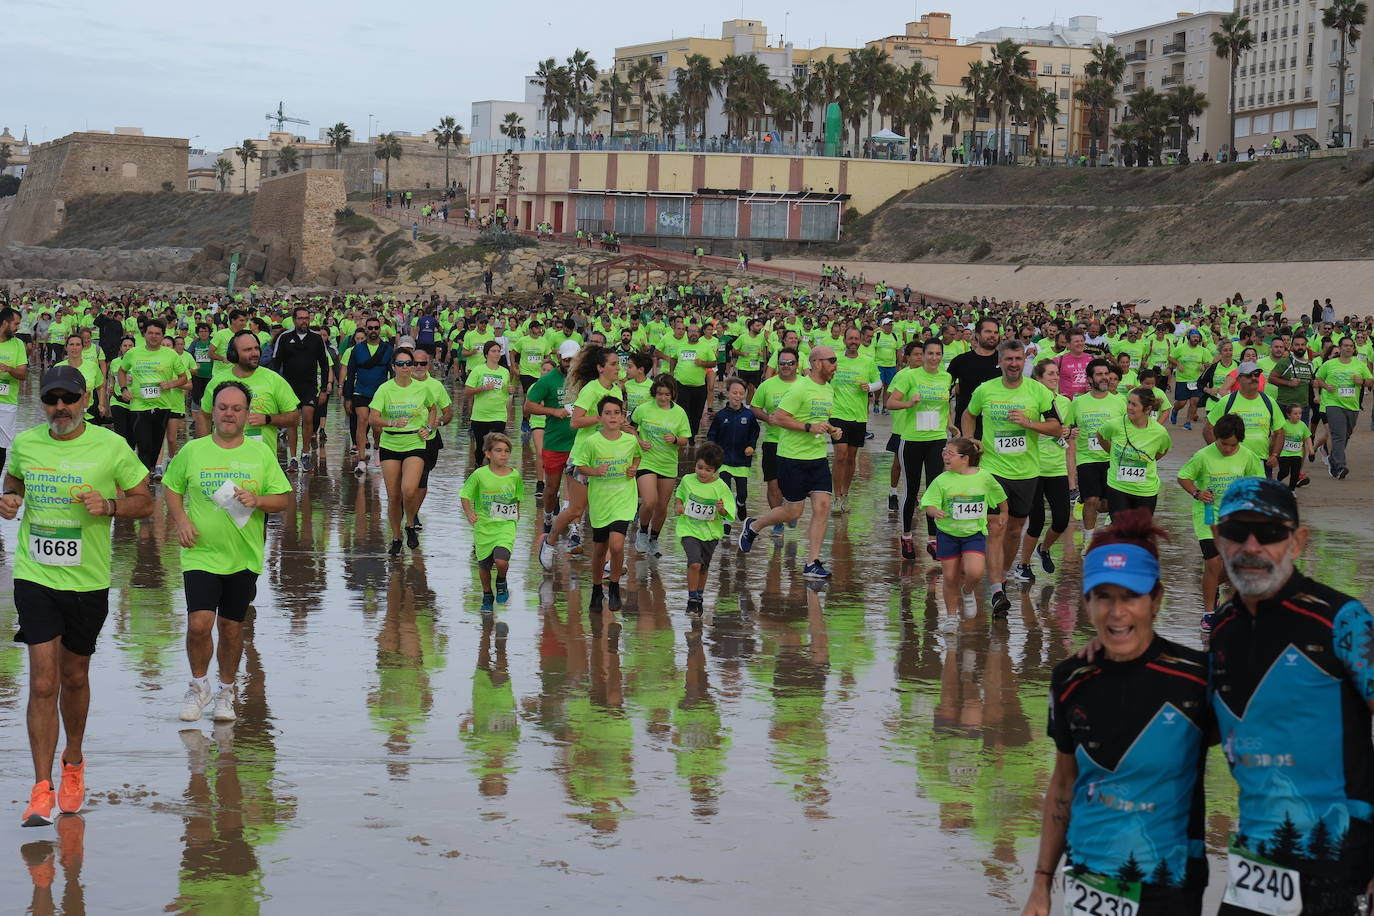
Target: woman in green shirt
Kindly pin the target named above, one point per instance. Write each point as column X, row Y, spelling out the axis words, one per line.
column 1056, row 469
column 1135, row 443
column 662, row 429
column 487, row 388
column 919, row 401
column 405, row 412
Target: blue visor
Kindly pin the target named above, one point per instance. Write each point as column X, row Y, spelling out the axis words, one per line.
column 1126, row 565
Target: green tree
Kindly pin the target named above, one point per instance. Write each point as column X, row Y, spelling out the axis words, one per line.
column 978, row 84
column 288, row 159
column 1185, row 103
column 1042, row 109
column 513, row 127
column 9, row 185
column 1102, row 74
column 1130, row 871
column 5, row 155
column 447, row 133
column 553, row 79
column 642, row 73
column 1010, row 77
column 248, row 152
column 1347, row 17
column 388, row 147
column 956, row 109
column 615, row 92
column 340, row 136
column 581, row 75
column 1127, row 134
column 224, row 170
column 1150, row 112
column 1229, row 42
column 697, row 81
column 870, row 73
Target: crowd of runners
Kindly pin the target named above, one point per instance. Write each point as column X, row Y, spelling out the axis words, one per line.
column 640, row 417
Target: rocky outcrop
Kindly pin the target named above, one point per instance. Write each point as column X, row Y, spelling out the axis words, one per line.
column 166, row 264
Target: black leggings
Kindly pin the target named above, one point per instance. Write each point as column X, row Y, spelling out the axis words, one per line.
column 149, row 429
column 1290, row 466
column 1056, row 490
column 692, row 400
column 741, row 487
column 915, row 456
column 1118, row 501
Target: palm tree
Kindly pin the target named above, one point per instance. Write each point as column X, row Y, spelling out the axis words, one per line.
column 1150, row 112
column 697, row 81
column 585, row 108
column 1185, row 103
column 581, row 74
column 1128, row 135
column 511, row 127
column 977, row 83
column 1010, row 72
column 552, row 78
column 246, row 153
column 1229, row 41
column 957, row 108
column 388, row 148
column 1103, row 74
column 641, row 73
column 340, row 136
column 1042, row 109
column 922, row 110
column 1346, row 17
column 448, row 132
column 615, row 92
column 853, row 101
column 806, row 88
column 870, row 73
column 288, row 159
column 667, row 110
column 223, row 169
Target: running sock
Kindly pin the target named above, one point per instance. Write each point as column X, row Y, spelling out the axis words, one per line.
column 202, row 681
column 998, row 586
column 501, row 580
column 654, row 535
column 643, row 529
column 892, row 491
column 613, row 588
column 695, row 595
column 488, row 596
column 226, row 686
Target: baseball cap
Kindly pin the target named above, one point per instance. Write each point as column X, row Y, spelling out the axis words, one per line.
column 62, row 378
column 568, row 349
column 1261, row 495
column 1247, row 367
column 1127, row 565
column 1194, row 331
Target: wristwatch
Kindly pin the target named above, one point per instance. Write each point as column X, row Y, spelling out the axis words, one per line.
column 808, row 427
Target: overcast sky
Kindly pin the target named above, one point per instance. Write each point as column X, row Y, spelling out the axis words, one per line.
column 212, row 71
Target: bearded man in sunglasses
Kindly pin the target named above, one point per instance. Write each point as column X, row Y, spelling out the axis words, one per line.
column 71, row 478
column 1292, row 686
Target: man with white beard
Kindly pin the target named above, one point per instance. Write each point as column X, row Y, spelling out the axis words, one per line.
column 1292, row 686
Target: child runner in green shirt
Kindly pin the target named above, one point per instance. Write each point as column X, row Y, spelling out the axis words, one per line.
column 703, row 502
column 491, row 501
column 959, row 500
column 609, row 458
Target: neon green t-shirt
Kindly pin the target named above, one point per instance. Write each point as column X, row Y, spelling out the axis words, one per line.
column 1010, row 451
column 700, row 517
column 1211, row 470
column 1133, row 463
column 851, row 400
column 965, row 499
column 411, row 404
column 271, row 394
column 496, row 499
column 61, row 545
column 1088, row 414
column 489, row 406
column 806, row 401
column 147, row 369
column 1261, row 415
column 1347, row 379
column 653, row 423
column 928, row 419
column 12, row 353
column 201, row 468
column 612, row 497
column 766, row 398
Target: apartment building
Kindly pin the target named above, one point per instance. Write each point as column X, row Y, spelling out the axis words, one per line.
column 1288, row 85
column 1175, row 53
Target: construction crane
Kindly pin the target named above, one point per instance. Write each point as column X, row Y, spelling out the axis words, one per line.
column 281, row 118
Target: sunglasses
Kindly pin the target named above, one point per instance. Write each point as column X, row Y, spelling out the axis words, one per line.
column 425, row 363
column 1264, row 532
column 828, row 359
column 403, row 364
column 787, row 362
column 1254, row 375
column 374, row 327
column 66, row 397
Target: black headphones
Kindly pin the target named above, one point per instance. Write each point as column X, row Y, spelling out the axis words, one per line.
column 231, row 352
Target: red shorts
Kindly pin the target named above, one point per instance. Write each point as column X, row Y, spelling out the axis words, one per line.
column 554, row 462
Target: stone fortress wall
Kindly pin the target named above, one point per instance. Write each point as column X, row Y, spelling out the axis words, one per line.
column 84, row 163
column 295, row 214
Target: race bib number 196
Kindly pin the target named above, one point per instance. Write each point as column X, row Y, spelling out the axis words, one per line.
column 1261, row 887
column 1093, row 895
column 55, row 546
column 149, row 392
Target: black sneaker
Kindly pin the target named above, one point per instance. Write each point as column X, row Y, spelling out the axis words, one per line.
column 596, row 603
column 418, row 525
column 395, row 550
column 1023, row 573
column 1343, row 473
column 747, row 535
column 908, row 549
column 613, row 600
column 816, row 570
column 1303, row 480
column 695, row 607
column 1205, row 625
column 1045, row 561
column 412, row 538
column 1001, row 604
column 930, row 549
column 539, row 489
column 893, row 504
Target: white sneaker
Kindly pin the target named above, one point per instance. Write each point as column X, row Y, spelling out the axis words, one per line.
column 361, row 468
column 653, row 548
column 949, row 624
column 224, row 704
column 197, row 698
column 642, row 542
column 546, row 554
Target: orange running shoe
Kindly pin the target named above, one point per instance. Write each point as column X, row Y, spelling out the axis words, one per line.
column 41, row 802
column 71, row 795
column 71, row 841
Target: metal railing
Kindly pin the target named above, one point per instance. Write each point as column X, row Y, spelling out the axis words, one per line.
column 1130, row 56
column 650, row 144
column 1176, row 47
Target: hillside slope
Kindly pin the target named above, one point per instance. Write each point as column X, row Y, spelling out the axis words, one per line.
column 1248, row 211
column 141, row 220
